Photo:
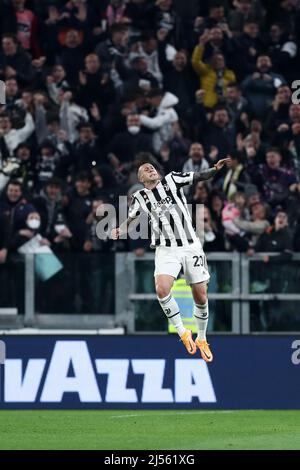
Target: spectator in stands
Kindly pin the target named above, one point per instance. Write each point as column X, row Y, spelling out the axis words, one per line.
column 260, row 87
column 235, row 102
column 283, row 12
column 78, row 203
column 94, row 243
column 115, row 49
column 26, row 173
column 214, row 77
column 162, row 123
column 199, row 194
column 30, row 228
column 26, row 28
column 12, row 92
column 71, row 115
column 196, row 117
column 149, row 50
column 104, row 184
column 49, row 204
column 56, row 81
column 13, row 137
column 164, row 17
column 281, row 49
column 219, row 41
column 216, row 14
column 14, row 62
column 176, row 73
column 257, row 225
column 213, row 239
column 48, row 162
column 244, row 10
column 14, row 205
column 216, row 205
column 234, row 209
column 197, row 160
column 95, row 85
column 126, row 145
column 140, row 76
column 247, row 47
column 71, row 56
column 272, row 180
column 137, row 12
column 236, row 178
column 277, row 240
column 87, row 152
column 219, row 133
column 279, row 112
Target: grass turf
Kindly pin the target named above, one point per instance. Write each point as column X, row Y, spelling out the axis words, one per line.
column 149, row 430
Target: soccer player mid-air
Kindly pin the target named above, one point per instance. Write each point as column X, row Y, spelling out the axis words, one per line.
column 177, row 245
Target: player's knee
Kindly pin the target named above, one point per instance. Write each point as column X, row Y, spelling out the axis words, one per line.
column 201, row 299
column 162, row 291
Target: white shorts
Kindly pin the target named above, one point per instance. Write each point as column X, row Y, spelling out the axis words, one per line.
column 170, row 260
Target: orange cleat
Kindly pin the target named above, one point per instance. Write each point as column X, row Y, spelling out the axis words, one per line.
column 205, row 351
column 188, row 342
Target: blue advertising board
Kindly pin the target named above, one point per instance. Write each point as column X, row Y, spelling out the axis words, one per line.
column 143, row 372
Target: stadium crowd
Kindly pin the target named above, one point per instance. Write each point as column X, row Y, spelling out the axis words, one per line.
column 94, row 88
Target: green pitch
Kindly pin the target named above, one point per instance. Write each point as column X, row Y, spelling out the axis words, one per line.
column 150, row 430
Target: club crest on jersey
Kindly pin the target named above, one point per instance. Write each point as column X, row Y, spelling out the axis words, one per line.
column 166, row 187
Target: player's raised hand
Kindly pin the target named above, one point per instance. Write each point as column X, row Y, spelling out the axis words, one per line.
column 115, row 234
column 221, row 163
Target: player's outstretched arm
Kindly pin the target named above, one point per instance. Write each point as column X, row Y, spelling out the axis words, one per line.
column 124, row 228
column 210, row 173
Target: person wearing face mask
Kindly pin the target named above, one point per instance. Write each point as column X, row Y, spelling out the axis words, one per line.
column 126, row 145
column 30, row 229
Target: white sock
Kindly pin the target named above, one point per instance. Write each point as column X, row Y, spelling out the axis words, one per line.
column 201, row 316
column 171, row 310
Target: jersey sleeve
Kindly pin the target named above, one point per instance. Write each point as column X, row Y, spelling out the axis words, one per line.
column 135, row 208
column 183, row 179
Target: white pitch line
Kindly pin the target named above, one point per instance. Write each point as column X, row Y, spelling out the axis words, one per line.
column 181, row 413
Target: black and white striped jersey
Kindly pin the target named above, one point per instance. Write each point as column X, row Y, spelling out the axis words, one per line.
column 166, row 206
